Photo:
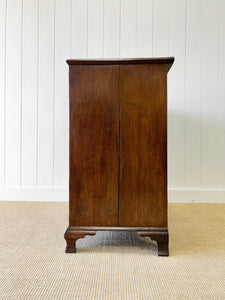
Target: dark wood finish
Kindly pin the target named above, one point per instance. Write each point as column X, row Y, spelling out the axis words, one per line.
column 143, row 146
column 162, row 239
column 71, row 236
column 158, row 234
column 118, row 147
column 94, row 145
column 79, row 229
column 134, row 61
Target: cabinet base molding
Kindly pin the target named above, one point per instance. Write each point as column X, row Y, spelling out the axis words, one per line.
column 158, row 234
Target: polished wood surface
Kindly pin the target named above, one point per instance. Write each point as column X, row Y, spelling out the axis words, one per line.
column 158, row 234
column 123, row 61
column 143, row 146
column 94, row 145
column 118, row 148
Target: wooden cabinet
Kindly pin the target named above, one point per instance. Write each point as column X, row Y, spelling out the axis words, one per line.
column 118, row 148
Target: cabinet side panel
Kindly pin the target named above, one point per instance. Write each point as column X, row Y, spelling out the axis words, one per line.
column 143, row 146
column 94, row 92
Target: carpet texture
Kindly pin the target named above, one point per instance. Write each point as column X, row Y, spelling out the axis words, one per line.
column 110, row 265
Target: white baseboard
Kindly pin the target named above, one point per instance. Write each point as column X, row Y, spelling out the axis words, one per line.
column 61, row 194
column 196, row 195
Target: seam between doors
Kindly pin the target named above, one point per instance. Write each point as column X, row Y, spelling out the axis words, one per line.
column 118, row 151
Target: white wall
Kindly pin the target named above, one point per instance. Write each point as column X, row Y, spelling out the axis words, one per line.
column 36, row 37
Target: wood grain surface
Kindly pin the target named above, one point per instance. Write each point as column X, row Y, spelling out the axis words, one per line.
column 143, row 145
column 94, row 94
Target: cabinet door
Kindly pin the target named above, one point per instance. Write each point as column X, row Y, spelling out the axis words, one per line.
column 143, row 146
column 94, row 93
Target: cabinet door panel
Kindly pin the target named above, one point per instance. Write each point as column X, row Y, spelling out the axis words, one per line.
column 143, row 146
column 94, row 92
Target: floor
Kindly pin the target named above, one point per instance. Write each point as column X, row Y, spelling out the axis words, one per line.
column 33, row 264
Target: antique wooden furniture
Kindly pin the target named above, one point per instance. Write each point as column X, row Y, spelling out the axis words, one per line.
column 118, row 148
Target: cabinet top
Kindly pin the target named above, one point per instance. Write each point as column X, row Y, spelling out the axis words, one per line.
column 123, row 61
